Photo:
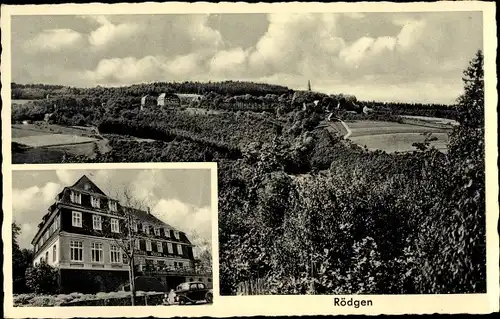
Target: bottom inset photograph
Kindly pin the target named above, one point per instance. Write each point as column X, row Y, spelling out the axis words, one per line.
column 113, row 237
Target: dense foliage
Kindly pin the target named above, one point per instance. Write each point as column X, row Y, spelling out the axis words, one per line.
column 372, row 223
column 42, row 278
column 21, row 260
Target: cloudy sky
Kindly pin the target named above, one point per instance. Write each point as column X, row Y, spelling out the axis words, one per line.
column 180, row 197
column 381, row 56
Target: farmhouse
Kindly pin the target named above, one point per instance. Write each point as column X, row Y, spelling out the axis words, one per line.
column 189, row 98
column 147, row 101
column 169, row 100
column 81, row 234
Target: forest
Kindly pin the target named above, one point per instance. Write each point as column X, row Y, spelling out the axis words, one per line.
column 309, row 212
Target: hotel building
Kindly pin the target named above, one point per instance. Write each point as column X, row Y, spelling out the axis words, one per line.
column 82, row 235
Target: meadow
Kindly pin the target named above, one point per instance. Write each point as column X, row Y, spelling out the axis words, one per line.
column 395, row 137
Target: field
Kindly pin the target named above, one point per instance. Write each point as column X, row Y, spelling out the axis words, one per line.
column 394, row 137
column 52, row 140
column 21, row 102
column 40, row 143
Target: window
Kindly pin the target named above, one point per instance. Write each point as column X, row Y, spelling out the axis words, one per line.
column 95, row 202
column 179, row 249
column 115, row 254
column 157, row 231
column 176, row 234
column 181, row 265
column 134, row 227
column 145, row 228
column 54, row 253
column 75, row 197
column 167, row 232
column 115, row 226
column 56, row 223
column 77, row 219
column 125, row 258
column 45, row 236
column 97, row 255
column 96, row 222
column 159, row 247
column 112, row 206
column 148, row 245
column 36, row 247
column 137, row 244
column 170, row 248
column 76, row 249
column 47, row 256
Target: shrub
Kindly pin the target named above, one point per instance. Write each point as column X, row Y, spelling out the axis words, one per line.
column 42, row 278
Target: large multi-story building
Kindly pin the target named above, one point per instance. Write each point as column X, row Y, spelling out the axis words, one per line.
column 83, row 235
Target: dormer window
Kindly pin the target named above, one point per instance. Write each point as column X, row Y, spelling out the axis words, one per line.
column 176, row 234
column 145, row 228
column 76, row 197
column 112, row 206
column 167, row 232
column 87, row 187
column 157, row 231
column 95, row 202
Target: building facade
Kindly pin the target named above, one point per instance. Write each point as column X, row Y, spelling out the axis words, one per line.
column 85, row 234
column 148, row 101
column 169, row 100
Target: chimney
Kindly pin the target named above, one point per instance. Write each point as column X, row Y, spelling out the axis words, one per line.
column 149, row 210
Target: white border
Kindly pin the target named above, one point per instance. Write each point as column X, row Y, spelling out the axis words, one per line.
column 276, row 305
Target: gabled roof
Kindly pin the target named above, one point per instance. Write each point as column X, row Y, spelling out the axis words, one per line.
column 85, row 184
column 148, row 217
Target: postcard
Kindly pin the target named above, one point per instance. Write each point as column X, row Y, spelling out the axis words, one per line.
column 236, row 159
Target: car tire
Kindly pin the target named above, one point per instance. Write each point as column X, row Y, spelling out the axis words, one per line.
column 209, row 297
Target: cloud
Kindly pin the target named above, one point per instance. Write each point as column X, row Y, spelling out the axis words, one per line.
column 54, row 40
column 184, row 65
column 126, row 70
column 149, row 68
column 229, row 61
column 109, row 33
column 185, row 217
column 26, row 208
column 68, row 177
column 202, row 33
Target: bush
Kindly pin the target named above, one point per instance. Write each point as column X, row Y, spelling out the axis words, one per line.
column 42, row 278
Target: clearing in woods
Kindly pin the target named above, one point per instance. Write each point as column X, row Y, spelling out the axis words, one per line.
column 42, row 143
column 395, row 137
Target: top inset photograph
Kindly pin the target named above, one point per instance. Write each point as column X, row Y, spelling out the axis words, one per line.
column 207, row 87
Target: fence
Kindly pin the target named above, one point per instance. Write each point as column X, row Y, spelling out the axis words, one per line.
column 257, row 286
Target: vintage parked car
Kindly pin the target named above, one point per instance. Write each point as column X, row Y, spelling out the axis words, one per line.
column 193, row 292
